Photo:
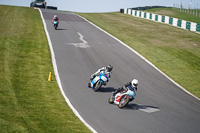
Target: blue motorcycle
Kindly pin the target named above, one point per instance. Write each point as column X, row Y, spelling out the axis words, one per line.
column 98, row 81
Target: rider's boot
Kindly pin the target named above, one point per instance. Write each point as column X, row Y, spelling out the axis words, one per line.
column 104, row 83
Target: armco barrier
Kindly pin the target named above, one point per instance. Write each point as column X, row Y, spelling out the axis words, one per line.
column 191, row 26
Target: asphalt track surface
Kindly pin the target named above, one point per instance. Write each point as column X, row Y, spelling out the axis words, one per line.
column 81, row 49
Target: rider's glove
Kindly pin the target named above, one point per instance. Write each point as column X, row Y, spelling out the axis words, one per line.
column 124, row 87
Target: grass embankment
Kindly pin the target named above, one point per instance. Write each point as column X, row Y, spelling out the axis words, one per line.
column 173, row 50
column 28, row 102
column 175, row 14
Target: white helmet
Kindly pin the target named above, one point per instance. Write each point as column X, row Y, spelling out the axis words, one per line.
column 134, row 82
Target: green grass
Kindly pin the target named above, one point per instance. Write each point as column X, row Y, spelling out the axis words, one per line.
column 174, row 13
column 28, row 102
column 173, row 50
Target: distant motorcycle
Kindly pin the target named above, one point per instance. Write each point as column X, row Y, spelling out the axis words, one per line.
column 123, row 98
column 98, row 81
column 55, row 24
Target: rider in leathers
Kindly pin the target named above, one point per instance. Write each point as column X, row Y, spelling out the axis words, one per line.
column 133, row 83
column 106, row 70
column 55, row 18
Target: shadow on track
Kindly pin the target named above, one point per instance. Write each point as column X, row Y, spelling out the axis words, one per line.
column 106, row 89
column 60, row 29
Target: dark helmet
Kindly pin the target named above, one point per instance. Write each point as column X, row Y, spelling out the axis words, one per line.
column 109, row 68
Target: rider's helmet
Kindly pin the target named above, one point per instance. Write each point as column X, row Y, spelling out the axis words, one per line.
column 55, row 16
column 134, row 82
column 109, row 68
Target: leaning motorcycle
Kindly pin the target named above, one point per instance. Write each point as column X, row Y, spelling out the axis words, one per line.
column 98, row 81
column 55, row 24
column 123, row 98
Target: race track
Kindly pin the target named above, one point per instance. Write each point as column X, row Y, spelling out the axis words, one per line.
column 81, row 49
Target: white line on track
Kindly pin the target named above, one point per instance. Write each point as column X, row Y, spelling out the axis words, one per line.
column 80, row 45
column 81, row 38
column 150, row 110
column 58, row 77
column 147, row 109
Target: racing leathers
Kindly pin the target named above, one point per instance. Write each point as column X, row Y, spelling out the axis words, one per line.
column 55, row 19
column 104, row 70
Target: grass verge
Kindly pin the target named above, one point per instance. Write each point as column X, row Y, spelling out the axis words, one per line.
column 28, row 102
column 173, row 50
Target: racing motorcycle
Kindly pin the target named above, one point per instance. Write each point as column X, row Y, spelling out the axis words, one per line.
column 98, row 81
column 55, row 24
column 123, row 98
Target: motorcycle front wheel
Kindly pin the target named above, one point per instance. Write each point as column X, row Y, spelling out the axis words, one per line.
column 111, row 100
column 55, row 26
column 123, row 101
column 97, row 85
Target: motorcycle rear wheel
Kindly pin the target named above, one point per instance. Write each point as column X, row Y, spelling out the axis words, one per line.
column 123, row 101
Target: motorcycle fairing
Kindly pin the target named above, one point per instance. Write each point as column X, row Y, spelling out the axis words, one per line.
column 102, row 77
column 55, row 22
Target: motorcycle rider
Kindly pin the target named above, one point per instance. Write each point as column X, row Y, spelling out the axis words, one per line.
column 106, row 70
column 55, row 18
column 133, row 84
